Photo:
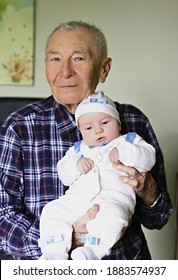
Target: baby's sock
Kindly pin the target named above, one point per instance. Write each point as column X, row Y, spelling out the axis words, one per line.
column 54, row 256
column 83, row 253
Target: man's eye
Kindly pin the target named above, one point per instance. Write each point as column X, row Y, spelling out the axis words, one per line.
column 79, row 58
column 54, row 59
column 88, row 128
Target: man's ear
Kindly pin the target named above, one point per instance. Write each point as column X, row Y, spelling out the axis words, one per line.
column 106, row 66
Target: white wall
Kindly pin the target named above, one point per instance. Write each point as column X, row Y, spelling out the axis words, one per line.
column 143, row 42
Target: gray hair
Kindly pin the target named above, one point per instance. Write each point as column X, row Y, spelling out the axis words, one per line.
column 95, row 32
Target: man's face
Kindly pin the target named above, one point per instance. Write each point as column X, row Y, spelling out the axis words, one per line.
column 72, row 69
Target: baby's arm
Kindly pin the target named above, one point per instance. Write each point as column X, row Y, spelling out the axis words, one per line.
column 67, row 169
column 114, row 155
column 84, row 165
column 138, row 154
column 71, row 166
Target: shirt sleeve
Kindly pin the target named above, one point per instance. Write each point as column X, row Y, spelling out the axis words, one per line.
column 133, row 120
column 19, row 228
column 157, row 216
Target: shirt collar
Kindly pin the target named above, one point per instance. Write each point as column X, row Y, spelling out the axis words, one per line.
column 65, row 122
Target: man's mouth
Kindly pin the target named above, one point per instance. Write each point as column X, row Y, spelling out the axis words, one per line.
column 67, row 86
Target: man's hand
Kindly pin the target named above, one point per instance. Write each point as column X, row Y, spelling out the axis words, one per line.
column 79, row 226
column 143, row 183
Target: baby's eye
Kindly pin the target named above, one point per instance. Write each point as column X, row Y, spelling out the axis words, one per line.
column 105, row 122
column 88, row 128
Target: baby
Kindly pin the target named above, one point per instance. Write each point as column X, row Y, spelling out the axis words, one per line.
column 88, row 169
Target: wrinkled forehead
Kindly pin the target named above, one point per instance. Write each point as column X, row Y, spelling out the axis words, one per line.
column 80, row 39
column 81, row 35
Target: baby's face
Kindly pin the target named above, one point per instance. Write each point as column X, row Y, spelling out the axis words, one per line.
column 97, row 128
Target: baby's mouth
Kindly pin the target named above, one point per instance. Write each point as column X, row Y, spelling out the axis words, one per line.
column 101, row 139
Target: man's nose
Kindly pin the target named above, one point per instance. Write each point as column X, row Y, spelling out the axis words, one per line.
column 66, row 69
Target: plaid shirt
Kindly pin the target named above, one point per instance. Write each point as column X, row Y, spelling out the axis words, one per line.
column 32, row 140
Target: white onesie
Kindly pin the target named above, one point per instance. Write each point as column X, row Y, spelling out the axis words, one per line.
column 102, row 186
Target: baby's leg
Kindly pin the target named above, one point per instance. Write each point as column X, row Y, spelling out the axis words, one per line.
column 55, row 231
column 108, row 227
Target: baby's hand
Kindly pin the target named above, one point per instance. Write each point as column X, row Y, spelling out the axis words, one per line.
column 84, row 165
column 114, row 155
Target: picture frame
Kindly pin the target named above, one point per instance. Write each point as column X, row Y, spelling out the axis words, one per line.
column 17, row 26
column 176, row 211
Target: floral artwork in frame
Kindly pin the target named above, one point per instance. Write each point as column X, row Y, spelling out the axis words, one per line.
column 17, row 42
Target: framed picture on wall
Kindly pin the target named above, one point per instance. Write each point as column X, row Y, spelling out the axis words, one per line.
column 176, row 210
column 17, row 20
